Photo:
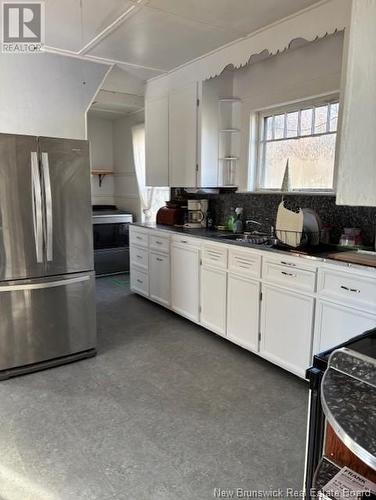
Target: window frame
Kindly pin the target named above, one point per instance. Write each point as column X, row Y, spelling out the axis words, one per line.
column 260, row 141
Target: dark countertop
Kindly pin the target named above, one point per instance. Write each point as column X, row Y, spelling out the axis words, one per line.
column 320, row 254
column 348, row 396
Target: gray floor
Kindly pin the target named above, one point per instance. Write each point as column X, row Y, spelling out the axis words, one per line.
column 166, row 410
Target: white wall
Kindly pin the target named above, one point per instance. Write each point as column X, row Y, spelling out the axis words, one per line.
column 310, row 70
column 102, row 158
column 126, row 192
column 47, row 94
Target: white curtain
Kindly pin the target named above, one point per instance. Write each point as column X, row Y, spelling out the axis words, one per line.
column 152, row 198
column 146, row 194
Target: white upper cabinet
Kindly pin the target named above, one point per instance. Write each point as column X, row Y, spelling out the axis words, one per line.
column 357, row 140
column 183, row 136
column 156, row 141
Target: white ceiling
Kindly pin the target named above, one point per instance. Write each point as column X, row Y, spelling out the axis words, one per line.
column 150, row 37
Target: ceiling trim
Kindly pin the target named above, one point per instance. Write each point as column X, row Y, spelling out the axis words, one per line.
column 111, row 27
column 97, row 59
column 325, row 17
column 259, row 33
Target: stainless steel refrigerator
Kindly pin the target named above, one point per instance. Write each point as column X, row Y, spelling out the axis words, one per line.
column 47, row 287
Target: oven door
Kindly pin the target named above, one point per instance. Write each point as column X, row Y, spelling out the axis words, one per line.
column 110, row 235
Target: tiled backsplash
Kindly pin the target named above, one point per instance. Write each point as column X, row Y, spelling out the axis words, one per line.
column 263, row 207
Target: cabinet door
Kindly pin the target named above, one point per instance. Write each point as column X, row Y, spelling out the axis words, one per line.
column 243, row 305
column 336, row 324
column 156, row 141
column 185, row 281
column 159, row 278
column 183, row 136
column 286, row 328
column 213, row 299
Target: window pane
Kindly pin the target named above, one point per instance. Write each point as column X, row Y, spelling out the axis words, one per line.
column 292, row 124
column 333, row 117
column 321, row 118
column 268, row 124
column 311, row 161
column 306, row 122
column 279, row 126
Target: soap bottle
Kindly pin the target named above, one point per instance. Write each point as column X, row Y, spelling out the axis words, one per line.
column 238, row 224
column 230, row 221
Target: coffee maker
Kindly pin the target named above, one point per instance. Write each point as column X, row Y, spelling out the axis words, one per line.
column 197, row 211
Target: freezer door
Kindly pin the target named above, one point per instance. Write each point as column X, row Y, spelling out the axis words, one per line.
column 46, row 318
column 65, row 170
column 21, row 208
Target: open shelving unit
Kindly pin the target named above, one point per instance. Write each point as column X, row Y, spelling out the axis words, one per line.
column 229, row 117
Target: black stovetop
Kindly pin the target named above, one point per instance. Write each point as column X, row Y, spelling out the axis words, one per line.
column 364, row 344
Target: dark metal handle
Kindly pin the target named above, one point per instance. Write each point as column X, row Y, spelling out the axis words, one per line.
column 355, row 290
column 139, row 281
column 139, row 237
column 288, row 263
column 288, row 274
column 158, row 242
column 159, row 260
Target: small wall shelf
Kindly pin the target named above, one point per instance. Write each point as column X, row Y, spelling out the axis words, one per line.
column 101, row 175
column 229, row 99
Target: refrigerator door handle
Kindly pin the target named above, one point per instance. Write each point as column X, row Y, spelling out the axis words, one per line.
column 43, row 285
column 36, row 197
column 48, row 202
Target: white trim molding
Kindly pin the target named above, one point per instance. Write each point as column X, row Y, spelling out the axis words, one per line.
column 317, row 21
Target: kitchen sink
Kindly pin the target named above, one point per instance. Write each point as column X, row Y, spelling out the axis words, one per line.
column 251, row 238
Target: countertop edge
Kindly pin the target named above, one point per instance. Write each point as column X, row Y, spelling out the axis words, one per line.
column 315, row 258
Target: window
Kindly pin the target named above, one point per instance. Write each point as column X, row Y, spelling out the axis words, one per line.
column 305, row 135
column 151, row 198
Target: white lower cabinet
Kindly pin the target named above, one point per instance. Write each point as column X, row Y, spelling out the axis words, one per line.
column 213, row 299
column 159, row 278
column 286, row 328
column 185, row 282
column 243, row 305
column 295, row 320
column 336, row 324
column 140, row 281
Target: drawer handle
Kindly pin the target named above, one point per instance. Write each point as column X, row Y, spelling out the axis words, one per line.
column 247, row 262
column 355, row 290
column 158, row 242
column 159, row 259
column 183, row 241
column 243, row 267
column 288, row 263
column 139, row 237
column 288, row 274
column 139, row 256
column 139, row 281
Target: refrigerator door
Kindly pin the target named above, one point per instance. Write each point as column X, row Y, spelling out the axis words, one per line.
column 65, row 170
column 43, row 319
column 21, row 208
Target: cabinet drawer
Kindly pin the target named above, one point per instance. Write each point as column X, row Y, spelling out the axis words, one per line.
column 159, row 243
column 186, row 241
column 214, row 255
column 139, row 281
column 139, row 257
column 348, row 287
column 139, row 238
column 244, row 263
column 297, row 279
